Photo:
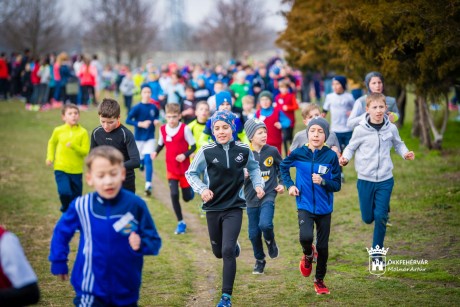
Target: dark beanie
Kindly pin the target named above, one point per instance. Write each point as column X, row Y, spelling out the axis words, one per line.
column 266, row 94
column 320, row 122
column 251, row 126
column 371, row 75
column 342, row 80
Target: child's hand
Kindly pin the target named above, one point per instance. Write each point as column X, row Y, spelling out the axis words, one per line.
column 49, row 163
column 285, row 108
column 207, row 195
column 192, row 156
column 63, row 277
column 343, row 161
column 134, row 241
column 153, row 155
column 144, row 124
column 293, row 191
column 316, row 178
column 277, row 125
column 180, row 158
column 260, row 192
column 156, row 122
column 246, row 173
column 409, row 155
column 68, row 144
column 391, row 117
column 279, row 188
column 337, row 151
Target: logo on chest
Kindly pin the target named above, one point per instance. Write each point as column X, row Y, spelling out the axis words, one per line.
column 239, row 158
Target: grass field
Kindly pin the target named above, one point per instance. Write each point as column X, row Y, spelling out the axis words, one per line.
column 425, row 214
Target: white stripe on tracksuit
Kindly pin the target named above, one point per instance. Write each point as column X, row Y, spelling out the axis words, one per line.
column 82, row 207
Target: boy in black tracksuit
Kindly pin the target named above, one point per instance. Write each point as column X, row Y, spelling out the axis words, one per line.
column 111, row 132
column 222, row 194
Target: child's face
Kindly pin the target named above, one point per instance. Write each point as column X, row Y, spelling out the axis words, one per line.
column 376, row 85
column 222, row 131
column 283, row 89
column 248, row 106
column 337, row 87
column 312, row 114
column 316, row 136
column 265, row 102
column 218, row 88
column 225, row 106
column 109, row 123
column 146, row 93
column 106, row 178
column 172, row 119
column 189, row 94
column 376, row 110
column 71, row 116
column 260, row 137
column 202, row 112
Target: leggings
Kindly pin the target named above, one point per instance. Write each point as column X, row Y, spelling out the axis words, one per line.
column 187, row 195
column 307, row 222
column 224, row 228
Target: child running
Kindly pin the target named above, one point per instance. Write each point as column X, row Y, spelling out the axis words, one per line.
column 144, row 118
column 318, row 176
column 111, row 132
column 116, row 229
column 261, row 211
column 224, row 162
column 67, row 149
column 180, row 144
column 372, row 141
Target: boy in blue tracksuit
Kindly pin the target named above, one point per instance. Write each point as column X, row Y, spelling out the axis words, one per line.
column 318, row 176
column 144, row 117
column 116, row 231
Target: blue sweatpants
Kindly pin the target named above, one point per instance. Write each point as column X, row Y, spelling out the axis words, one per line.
column 69, row 186
column 374, row 201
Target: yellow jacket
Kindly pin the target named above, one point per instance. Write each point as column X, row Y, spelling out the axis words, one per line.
column 68, row 159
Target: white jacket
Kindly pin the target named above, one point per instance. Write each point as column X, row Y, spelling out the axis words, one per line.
column 373, row 161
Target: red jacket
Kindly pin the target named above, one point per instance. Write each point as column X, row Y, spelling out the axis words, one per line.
column 288, row 104
column 87, row 76
column 5, row 283
column 4, row 73
column 34, row 77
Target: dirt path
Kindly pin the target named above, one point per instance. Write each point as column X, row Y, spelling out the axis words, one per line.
column 204, row 285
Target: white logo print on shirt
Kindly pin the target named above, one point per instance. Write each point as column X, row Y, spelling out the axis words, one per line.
column 215, row 160
column 239, row 159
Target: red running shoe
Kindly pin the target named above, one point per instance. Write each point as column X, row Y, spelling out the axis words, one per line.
column 305, row 266
column 320, row 287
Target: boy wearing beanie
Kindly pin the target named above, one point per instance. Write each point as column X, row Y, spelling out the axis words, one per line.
column 274, row 119
column 224, row 162
column 318, row 177
column 261, row 211
column 223, row 103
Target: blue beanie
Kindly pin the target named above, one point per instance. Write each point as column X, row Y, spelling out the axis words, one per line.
column 145, row 85
column 222, row 97
column 370, row 75
column 225, row 116
column 342, row 80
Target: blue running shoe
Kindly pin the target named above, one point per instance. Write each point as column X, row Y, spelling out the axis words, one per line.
column 225, row 301
column 181, row 226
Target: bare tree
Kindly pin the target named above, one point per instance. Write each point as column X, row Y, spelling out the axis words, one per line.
column 36, row 25
column 235, row 26
column 117, row 27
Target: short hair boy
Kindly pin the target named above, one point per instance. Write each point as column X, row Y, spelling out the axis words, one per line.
column 318, row 177
column 111, row 132
column 180, row 144
column 144, row 117
column 372, row 141
column 67, row 148
column 198, row 125
column 112, row 242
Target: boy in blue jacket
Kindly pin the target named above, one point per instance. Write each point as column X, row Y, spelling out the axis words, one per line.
column 116, row 231
column 318, row 176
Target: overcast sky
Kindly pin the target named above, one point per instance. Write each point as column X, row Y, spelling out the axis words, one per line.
column 195, row 10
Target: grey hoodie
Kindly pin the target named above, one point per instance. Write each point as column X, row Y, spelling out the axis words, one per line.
column 373, row 161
